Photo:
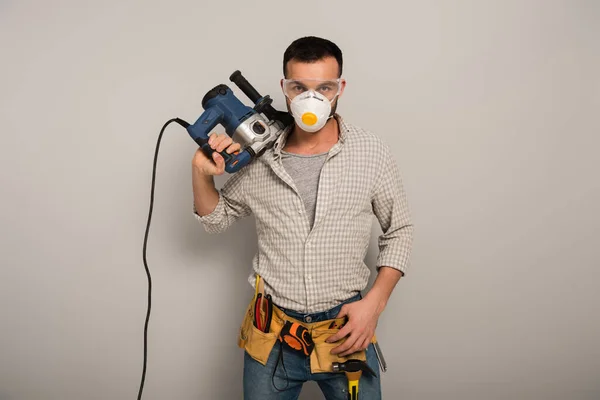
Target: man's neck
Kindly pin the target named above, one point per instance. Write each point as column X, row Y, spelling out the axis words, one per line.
column 301, row 142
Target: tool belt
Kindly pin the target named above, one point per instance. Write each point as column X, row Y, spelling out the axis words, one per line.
column 258, row 344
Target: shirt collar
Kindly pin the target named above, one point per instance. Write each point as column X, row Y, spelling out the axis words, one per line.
column 282, row 139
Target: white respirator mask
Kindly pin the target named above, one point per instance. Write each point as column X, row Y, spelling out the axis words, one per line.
column 311, row 110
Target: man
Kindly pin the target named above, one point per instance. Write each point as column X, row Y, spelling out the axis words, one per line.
column 313, row 195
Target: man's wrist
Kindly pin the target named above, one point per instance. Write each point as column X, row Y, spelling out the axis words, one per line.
column 378, row 298
column 384, row 284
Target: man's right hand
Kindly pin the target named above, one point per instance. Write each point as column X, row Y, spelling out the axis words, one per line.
column 217, row 142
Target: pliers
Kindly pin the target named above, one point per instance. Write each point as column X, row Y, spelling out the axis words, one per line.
column 261, row 307
column 268, row 313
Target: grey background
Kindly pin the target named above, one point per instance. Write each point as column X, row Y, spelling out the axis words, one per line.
column 490, row 107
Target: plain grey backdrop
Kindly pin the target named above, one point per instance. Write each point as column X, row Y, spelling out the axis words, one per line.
column 491, row 109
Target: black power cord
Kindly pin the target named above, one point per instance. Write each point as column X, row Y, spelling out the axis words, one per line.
column 185, row 125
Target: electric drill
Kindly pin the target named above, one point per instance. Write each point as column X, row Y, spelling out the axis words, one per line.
column 245, row 125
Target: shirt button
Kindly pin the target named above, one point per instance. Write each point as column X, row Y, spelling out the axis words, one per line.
column 307, row 319
column 309, row 277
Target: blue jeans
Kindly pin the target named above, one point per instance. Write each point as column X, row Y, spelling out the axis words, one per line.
column 261, row 384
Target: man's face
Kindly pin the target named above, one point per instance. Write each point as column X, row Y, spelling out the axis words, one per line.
column 315, row 76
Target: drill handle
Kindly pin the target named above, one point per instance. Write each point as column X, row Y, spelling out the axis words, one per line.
column 245, row 86
column 199, row 132
column 249, row 90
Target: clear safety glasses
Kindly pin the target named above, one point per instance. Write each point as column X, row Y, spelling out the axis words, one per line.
column 327, row 87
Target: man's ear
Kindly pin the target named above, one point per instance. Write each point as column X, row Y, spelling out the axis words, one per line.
column 343, row 86
column 281, row 83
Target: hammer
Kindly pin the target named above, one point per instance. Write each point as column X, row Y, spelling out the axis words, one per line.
column 353, row 369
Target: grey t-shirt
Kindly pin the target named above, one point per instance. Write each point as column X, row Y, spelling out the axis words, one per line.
column 305, row 170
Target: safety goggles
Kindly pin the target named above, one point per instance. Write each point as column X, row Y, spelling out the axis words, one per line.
column 327, row 87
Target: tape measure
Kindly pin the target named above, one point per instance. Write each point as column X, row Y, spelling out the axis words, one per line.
column 297, row 337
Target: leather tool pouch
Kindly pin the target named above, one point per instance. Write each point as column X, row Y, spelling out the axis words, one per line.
column 259, row 344
column 321, row 358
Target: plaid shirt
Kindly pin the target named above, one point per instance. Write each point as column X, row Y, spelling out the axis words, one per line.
column 313, row 270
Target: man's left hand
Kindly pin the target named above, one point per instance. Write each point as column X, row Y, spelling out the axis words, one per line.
column 362, row 319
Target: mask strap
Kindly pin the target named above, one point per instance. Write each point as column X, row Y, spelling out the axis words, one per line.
column 332, row 109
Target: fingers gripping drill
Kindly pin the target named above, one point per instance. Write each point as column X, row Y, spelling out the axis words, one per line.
column 243, row 124
column 353, row 369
